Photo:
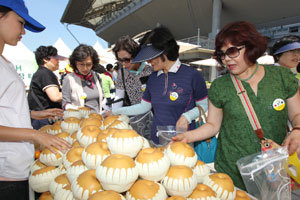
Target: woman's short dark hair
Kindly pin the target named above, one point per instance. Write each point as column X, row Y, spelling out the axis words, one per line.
column 282, row 42
column 161, row 38
column 80, row 53
column 44, row 52
column 126, row 43
column 4, row 10
column 238, row 34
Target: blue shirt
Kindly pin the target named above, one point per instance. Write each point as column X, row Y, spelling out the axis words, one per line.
column 184, row 86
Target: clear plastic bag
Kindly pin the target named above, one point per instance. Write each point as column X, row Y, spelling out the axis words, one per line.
column 142, row 124
column 265, row 175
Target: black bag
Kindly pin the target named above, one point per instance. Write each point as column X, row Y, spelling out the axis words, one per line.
column 126, row 100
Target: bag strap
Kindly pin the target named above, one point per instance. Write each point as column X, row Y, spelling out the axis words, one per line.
column 242, row 93
column 122, row 71
column 200, row 119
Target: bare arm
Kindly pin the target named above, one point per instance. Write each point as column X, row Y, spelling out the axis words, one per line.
column 209, row 129
column 9, row 134
column 54, row 94
column 51, row 113
column 293, row 140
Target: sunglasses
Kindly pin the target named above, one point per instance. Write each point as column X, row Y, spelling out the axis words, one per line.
column 231, row 52
column 124, row 60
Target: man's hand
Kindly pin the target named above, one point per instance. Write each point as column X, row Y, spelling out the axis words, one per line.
column 52, row 113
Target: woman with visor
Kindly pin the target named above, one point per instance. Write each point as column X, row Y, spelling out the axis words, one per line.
column 173, row 89
column 238, row 45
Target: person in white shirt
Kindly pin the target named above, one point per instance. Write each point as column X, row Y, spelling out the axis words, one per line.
column 16, row 133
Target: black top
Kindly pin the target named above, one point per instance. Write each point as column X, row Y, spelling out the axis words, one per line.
column 41, row 80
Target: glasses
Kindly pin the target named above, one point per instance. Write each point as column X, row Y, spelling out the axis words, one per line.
column 82, row 65
column 231, row 52
column 124, row 60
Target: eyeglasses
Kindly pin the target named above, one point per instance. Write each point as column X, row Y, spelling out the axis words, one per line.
column 124, row 60
column 82, row 65
column 231, row 52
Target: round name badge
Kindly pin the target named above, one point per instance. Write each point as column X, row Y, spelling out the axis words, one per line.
column 278, row 104
column 173, row 96
column 143, row 87
column 83, row 96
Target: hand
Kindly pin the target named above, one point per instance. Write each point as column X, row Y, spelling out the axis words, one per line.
column 107, row 113
column 51, row 142
column 52, row 113
column 182, row 124
column 182, row 137
column 292, row 142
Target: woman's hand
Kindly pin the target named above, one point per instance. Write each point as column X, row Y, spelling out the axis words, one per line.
column 107, row 114
column 51, row 142
column 182, row 137
column 52, row 113
column 182, row 124
column 292, row 142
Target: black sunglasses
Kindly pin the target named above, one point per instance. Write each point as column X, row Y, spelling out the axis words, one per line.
column 124, row 60
column 231, row 52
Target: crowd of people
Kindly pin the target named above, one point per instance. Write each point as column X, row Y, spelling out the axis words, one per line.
column 149, row 78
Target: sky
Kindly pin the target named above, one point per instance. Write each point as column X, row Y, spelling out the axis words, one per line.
column 49, row 13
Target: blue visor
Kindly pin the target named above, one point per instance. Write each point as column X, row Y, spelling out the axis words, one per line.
column 288, row 47
column 147, row 52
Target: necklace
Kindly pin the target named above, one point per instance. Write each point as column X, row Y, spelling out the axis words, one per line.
column 247, row 79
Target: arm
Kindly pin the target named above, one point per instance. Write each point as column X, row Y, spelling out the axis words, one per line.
column 9, row 134
column 51, row 113
column 187, row 117
column 209, row 129
column 54, row 94
column 136, row 109
column 66, row 94
column 293, row 140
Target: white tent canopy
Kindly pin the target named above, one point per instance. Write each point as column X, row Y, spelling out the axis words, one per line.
column 105, row 56
column 206, row 62
column 23, row 59
column 266, row 60
column 62, row 48
column 184, row 46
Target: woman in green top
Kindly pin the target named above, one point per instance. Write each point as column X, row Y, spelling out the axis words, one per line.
column 238, row 45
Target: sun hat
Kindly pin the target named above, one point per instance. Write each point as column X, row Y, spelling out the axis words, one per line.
column 147, row 52
column 288, row 47
column 18, row 6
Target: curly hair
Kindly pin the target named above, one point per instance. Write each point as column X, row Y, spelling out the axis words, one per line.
column 44, row 52
column 161, row 38
column 241, row 33
column 126, row 43
column 80, row 53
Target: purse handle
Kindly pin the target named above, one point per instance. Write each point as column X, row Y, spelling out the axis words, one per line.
column 200, row 119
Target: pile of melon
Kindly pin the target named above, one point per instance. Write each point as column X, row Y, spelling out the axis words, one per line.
column 109, row 160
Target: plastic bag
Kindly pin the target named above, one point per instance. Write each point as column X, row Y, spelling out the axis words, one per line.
column 265, row 176
column 142, row 124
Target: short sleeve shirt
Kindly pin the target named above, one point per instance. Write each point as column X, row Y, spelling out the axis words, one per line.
column 236, row 137
column 42, row 79
column 172, row 94
column 133, row 83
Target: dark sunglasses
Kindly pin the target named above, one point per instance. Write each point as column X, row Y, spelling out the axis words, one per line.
column 124, row 60
column 231, row 52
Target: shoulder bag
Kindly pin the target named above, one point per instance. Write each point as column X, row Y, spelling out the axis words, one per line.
column 205, row 149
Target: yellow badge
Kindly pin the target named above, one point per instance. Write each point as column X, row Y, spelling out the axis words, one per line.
column 83, row 96
column 143, row 87
column 173, row 96
column 278, row 104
